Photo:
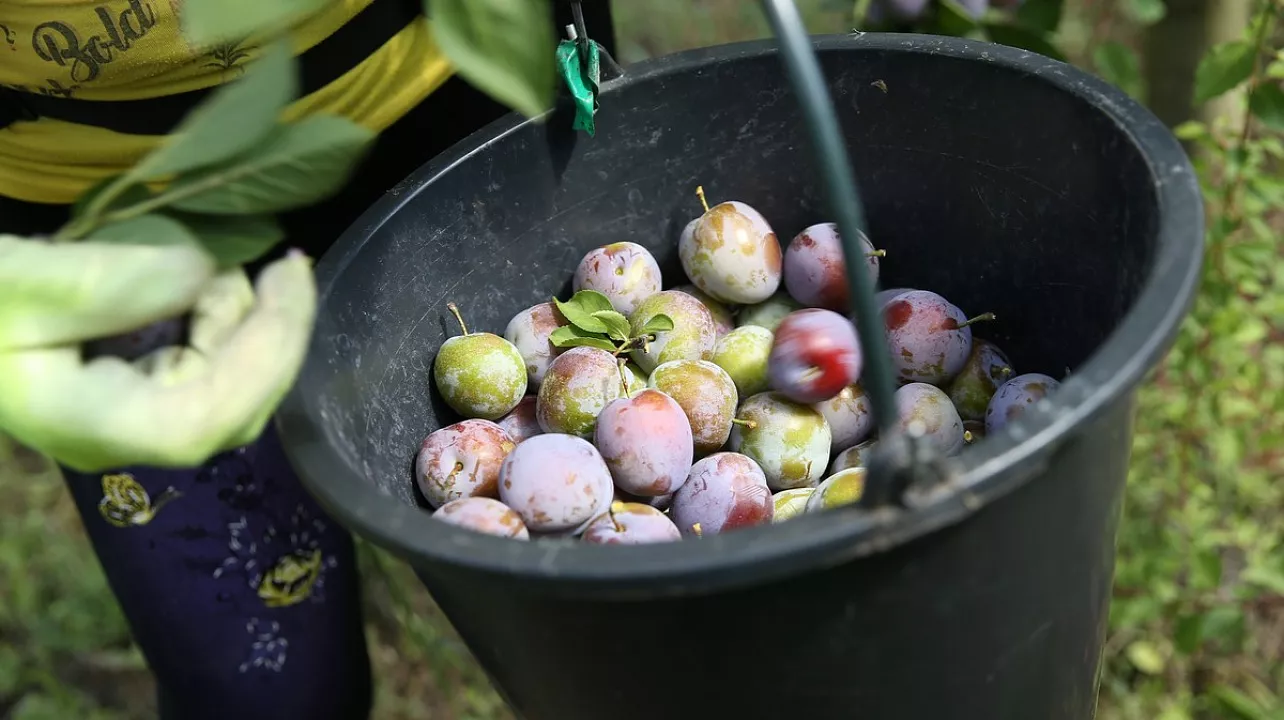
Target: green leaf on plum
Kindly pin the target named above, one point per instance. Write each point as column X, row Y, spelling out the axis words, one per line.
column 295, row 165
column 659, row 323
column 151, row 230
column 569, row 336
column 233, row 239
column 506, row 48
column 580, row 308
column 234, row 119
column 617, row 326
column 1222, row 68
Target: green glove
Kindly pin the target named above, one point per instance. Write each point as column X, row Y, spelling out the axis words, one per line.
column 175, row 407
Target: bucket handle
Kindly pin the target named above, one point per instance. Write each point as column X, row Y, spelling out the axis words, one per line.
column 900, row 458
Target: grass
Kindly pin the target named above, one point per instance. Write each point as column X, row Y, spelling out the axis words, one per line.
column 1197, row 626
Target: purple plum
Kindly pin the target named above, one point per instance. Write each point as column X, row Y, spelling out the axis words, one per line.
column 631, row 524
column 725, row 491
column 483, row 515
column 528, row 331
column 850, row 416
column 1014, row 396
column 462, row 460
column 815, row 274
column 814, row 355
column 521, row 422
column 626, row 273
column 646, row 442
column 926, row 409
column 985, row 370
column 556, row 482
column 930, row 338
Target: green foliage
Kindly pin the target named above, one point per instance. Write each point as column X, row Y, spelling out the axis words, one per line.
column 504, row 47
column 595, row 323
column 1223, row 68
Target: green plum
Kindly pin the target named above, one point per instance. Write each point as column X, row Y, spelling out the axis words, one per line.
column 985, row 370
column 743, row 353
column 790, row 503
column 789, row 440
column 707, row 396
column 856, row 456
column 723, row 319
column 769, row 312
column 692, row 337
column 842, row 488
column 579, row 383
column 480, row 375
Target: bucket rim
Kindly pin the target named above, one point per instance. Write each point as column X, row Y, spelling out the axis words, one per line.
column 1002, row 463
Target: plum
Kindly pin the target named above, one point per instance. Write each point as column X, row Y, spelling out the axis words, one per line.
column 815, row 274
column 646, row 442
column 659, row 502
column 985, row 370
column 724, row 320
column 692, row 337
column 462, row 460
column 1014, row 396
column 842, row 488
column 815, row 354
column 579, row 383
column 521, row 423
column 789, row 504
column 850, row 416
column 479, row 375
column 927, row 409
column 929, row 337
column 789, row 440
column 483, row 515
column 528, row 331
column 768, row 313
column 882, row 297
column 743, row 353
column 630, row 524
column 725, row 491
column 707, row 396
column 855, row 456
column 731, row 253
column 626, row 273
column 556, row 482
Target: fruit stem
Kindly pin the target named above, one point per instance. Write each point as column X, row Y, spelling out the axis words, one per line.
column 968, row 437
column 699, row 531
column 983, row 317
column 455, row 309
column 616, row 507
column 700, row 194
column 1005, row 371
column 876, row 253
column 624, row 377
column 745, row 423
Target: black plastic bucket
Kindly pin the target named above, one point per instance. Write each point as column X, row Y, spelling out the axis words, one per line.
column 1002, row 179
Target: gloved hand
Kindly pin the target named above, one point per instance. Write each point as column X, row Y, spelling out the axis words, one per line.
column 174, row 407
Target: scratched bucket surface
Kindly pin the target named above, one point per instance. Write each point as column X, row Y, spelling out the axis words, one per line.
column 1004, row 180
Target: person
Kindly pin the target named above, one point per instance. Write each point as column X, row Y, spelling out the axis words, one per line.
column 241, row 593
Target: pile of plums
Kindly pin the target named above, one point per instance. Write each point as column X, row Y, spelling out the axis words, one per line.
column 633, row 414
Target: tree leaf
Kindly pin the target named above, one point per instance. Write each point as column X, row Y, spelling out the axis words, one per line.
column 1222, row 68
column 506, row 48
column 150, row 230
column 659, row 323
column 1146, row 12
column 1117, row 63
column 233, row 239
column 129, row 196
column 1145, row 657
column 1189, row 633
column 295, row 165
column 1040, row 16
column 207, row 22
column 1267, row 104
column 234, row 119
column 1235, row 701
column 580, row 308
column 1024, row 38
column 617, row 326
column 569, row 336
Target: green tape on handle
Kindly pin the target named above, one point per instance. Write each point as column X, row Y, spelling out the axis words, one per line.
column 579, row 64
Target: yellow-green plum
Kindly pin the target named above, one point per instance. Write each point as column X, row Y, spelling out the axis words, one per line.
column 927, row 409
column 842, row 488
column 731, row 253
column 769, row 312
column 556, row 483
column 789, row 440
column 725, row 491
column 626, row 273
column 636, row 379
column 692, row 337
column 579, row 383
column 462, row 460
column 483, row 515
column 646, row 442
column 707, row 396
column 789, row 504
column 479, row 375
column 856, row 456
column 528, row 331
column 521, row 423
column 631, row 524
column 850, row 415
column 723, row 319
column 743, row 353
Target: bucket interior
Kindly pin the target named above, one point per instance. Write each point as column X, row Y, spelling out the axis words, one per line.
column 984, row 181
